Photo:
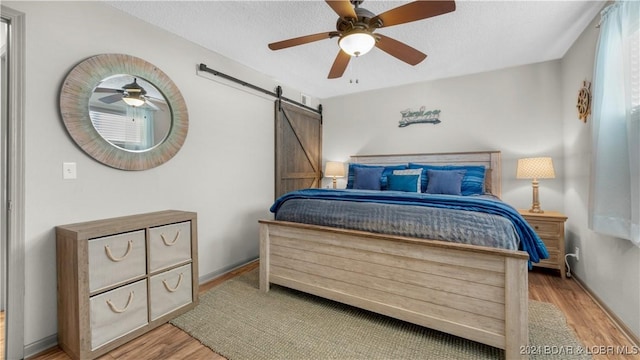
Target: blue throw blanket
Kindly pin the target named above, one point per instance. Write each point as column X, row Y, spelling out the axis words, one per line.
column 529, row 240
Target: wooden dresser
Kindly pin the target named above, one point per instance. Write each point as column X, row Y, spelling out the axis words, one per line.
column 119, row 278
column 549, row 225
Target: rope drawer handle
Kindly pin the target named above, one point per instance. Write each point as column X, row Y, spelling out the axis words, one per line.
column 115, row 259
column 119, row 311
column 164, row 240
column 169, row 289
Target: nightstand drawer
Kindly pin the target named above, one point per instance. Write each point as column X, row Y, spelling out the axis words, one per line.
column 546, row 229
column 554, row 258
column 551, row 243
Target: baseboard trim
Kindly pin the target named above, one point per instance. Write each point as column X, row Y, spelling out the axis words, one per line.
column 222, row 271
column 626, row 331
column 40, row 346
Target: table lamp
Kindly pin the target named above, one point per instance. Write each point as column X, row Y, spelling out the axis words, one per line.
column 334, row 169
column 535, row 168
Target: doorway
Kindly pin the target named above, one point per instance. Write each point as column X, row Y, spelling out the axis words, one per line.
column 12, row 79
column 4, row 49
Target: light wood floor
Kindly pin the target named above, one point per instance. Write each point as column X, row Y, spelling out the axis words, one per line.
column 1, row 335
column 590, row 323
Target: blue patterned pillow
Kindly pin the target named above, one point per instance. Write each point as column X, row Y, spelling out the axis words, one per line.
column 367, row 178
column 388, row 170
column 407, row 183
column 411, row 172
column 472, row 183
column 447, row 182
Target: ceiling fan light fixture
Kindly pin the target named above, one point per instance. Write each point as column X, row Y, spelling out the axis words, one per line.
column 134, row 94
column 357, row 43
column 133, row 100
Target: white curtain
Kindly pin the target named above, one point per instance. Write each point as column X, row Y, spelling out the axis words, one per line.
column 614, row 207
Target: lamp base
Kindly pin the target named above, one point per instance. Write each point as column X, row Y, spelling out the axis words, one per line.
column 535, row 207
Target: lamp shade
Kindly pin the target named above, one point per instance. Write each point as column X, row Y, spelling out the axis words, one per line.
column 535, row 168
column 357, row 43
column 334, row 169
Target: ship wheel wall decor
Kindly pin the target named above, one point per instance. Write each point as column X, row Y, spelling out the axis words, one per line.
column 584, row 101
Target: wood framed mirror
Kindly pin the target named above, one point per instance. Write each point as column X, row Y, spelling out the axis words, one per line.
column 123, row 111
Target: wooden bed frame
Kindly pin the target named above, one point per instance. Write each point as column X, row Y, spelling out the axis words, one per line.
column 478, row 293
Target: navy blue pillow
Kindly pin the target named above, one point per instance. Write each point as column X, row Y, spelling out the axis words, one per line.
column 367, row 178
column 472, row 183
column 447, row 182
column 388, row 170
column 407, row 183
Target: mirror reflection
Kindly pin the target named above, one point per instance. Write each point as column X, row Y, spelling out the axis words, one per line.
column 130, row 113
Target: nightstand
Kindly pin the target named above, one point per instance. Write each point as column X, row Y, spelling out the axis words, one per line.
column 549, row 225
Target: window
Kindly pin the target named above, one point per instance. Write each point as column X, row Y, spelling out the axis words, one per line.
column 614, row 207
column 131, row 131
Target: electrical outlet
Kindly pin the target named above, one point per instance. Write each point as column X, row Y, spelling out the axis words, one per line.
column 577, row 253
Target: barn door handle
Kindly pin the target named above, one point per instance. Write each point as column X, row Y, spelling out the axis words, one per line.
column 115, row 259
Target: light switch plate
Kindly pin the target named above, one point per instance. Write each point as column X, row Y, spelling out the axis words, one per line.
column 69, row 170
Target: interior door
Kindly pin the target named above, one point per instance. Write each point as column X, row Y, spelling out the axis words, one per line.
column 298, row 148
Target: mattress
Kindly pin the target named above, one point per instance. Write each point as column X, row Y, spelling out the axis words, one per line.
column 482, row 220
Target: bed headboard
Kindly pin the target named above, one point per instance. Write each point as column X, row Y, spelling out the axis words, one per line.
column 489, row 159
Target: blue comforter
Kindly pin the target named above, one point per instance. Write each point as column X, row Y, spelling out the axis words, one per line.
column 529, row 240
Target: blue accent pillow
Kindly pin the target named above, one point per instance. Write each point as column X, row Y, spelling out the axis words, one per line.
column 388, row 170
column 472, row 183
column 367, row 178
column 447, row 182
column 407, row 183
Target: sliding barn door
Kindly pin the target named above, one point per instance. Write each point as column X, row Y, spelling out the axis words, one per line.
column 298, row 148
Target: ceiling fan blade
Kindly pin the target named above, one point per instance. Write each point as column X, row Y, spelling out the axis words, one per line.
column 399, row 50
column 106, row 90
column 150, row 104
column 302, row 40
column 111, row 98
column 339, row 65
column 413, row 11
column 343, row 8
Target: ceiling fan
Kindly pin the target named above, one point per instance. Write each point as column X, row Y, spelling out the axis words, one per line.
column 132, row 94
column 356, row 26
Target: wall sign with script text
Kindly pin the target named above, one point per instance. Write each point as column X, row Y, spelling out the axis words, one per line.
column 419, row 117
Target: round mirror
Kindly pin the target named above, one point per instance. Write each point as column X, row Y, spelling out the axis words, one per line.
column 129, row 113
column 123, row 111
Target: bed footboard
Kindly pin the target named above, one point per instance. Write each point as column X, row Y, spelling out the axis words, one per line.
column 477, row 293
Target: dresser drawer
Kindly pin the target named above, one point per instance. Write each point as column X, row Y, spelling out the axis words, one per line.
column 169, row 245
column 116, row 259
column 170, row 290
column 118, row 312
column 546, row 229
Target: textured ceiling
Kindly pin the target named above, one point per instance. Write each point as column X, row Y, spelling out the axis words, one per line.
column 478, row 36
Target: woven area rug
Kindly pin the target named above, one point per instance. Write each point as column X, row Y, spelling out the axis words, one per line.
column 239, row 322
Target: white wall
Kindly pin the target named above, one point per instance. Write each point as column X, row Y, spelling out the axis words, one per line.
column 610, row 267
column 514, row 110
column 224, row 172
